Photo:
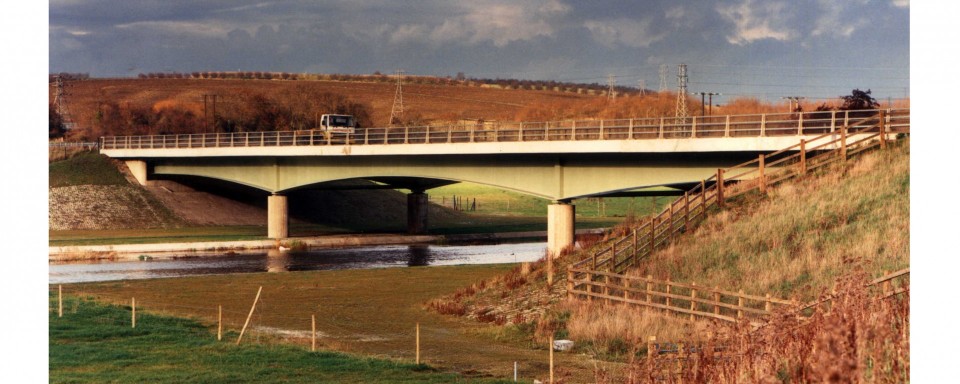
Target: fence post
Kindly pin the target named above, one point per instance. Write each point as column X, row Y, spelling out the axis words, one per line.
column 703, row 199
column 833, row 121
column 247, row 322
column 686, row 211
column 649, row 288
column 716, row 299
column 133, row 312
column 668, row 292
column 570, row 282
column 606, row 287
column 693, row 302
column 740, row 304
column 661, row 127
column 613, row 255
column 720, row 188
column 886, row 284
column 726, row 127
column 418, row 343
column 651, row 346
column 763, row 182
column 60, row 300
column 883, row 135
column 636, row 251
column 521, row 131
column 803, row 157
column 313, row 333
column 800, row 124
column 693, row 128
column 551, row 359
column 630, row 129
column 767, row 305
column 843, row 143
column 653, row 234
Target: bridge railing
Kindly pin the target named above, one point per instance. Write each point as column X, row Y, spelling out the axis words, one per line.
column 755, row 125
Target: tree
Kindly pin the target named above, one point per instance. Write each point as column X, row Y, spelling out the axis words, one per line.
column 57, row 127
column 858, row 100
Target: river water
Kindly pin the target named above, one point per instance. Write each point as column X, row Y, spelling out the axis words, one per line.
column 186, row 264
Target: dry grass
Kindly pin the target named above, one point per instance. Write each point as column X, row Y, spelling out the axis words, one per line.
column 861, row 339
column 794, row 243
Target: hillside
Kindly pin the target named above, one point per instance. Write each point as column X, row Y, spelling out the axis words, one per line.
column 793, row 243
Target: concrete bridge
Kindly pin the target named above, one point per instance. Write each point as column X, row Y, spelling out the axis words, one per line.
column 561, row 161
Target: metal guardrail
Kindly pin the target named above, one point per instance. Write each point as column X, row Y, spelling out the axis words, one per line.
column 65, row 144
column 756, row 125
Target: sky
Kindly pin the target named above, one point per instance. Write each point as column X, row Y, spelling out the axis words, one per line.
column 740, row 48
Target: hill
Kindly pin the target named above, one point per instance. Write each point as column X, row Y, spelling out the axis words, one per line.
column 795, row 242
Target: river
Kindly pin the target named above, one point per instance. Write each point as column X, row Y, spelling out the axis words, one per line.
column 191, row 264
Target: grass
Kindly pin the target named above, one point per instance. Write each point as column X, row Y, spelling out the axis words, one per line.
column 95, row 343
column 368, row 312
column 495, row 201
column 794, row 243
column 88, row 168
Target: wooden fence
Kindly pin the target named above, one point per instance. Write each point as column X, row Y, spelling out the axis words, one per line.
column 695, row 301
column 619, row 254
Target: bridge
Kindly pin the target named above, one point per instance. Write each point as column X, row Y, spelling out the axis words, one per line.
column 560, row 160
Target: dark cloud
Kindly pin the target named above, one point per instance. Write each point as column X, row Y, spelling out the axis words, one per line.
column 747, row 47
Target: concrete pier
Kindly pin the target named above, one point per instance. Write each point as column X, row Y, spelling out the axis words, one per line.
column 138, row 168
column 417, row 210
column 560, row 227
column 278, row 220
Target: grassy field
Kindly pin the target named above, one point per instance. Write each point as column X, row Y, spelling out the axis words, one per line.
column 87, row 168
column 495, row 201
column 368, row 312
column 96, row 343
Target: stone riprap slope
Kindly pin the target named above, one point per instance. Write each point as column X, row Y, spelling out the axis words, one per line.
column 86, row 207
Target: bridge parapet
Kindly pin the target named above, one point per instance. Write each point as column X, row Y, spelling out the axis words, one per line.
column 663, row 128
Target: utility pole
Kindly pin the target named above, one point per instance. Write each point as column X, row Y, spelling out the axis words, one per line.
column 793, row 99
column 682, row 94
column 396, row 115
column 611, row 88
column 60, row 100
column 703, row 103
column 213, row 117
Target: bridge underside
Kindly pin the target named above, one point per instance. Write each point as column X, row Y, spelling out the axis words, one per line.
column 554, row 177
column 561, row 178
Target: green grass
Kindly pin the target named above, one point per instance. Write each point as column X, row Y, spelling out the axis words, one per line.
column 85, row 169
column 96, row 345
column 369, row 312
column 495, row 201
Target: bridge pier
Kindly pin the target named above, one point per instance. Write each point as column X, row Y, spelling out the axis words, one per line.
column 277, row 219
column 560, row 226
column 417, row 210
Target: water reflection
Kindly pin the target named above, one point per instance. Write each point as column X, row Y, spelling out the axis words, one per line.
column 419, row 255
column 176, row 265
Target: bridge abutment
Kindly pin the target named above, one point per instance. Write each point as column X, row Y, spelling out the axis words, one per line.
column 560, row 227
column 138, row 168
column 278, row 220
column 417, row 210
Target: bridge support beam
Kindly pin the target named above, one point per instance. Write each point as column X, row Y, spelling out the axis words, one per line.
column 560, row 227
column 138, row 168
column 417, row 210
column 277, row 219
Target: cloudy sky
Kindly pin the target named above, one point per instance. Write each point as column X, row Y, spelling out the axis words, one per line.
column 758, row 48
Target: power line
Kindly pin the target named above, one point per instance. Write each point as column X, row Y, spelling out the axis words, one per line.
column 682, row 94
column 396, row 114
column 663, row 78
column 611, row 88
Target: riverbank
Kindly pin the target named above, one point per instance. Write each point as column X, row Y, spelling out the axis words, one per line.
column 159, row 250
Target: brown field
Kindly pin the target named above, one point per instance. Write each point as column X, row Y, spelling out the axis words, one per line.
column 432, row 102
